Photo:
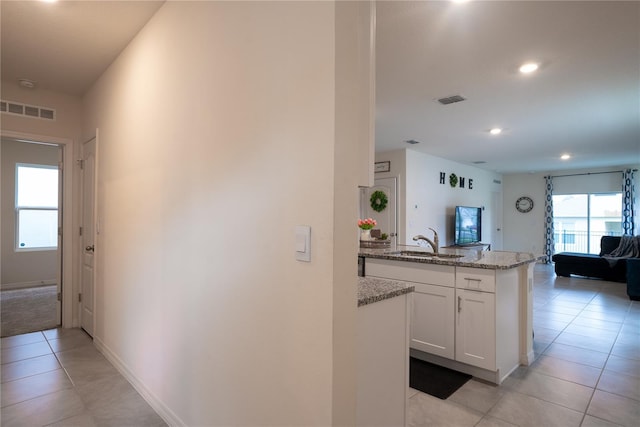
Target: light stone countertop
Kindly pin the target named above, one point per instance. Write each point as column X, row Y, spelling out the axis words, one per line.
column 492, row 260
column 374, row 289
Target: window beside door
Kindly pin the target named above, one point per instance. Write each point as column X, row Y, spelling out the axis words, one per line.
column 580, row 220
column 36, row 207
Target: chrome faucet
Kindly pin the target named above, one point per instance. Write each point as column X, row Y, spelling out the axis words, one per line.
column 434, row 244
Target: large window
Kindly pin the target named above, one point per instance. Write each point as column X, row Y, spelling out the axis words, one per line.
column 580, row 220
column 36, row 207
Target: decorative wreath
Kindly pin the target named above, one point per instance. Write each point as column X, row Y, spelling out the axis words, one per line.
column 378, row 201
column 453, row 180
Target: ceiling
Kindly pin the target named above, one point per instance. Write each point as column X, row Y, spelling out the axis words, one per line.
column 584, row 100
column 65, row 46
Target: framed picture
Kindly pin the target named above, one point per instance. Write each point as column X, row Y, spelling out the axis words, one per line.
column 382, row 167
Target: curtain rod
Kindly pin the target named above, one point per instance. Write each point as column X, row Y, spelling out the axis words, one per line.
column 587, row 173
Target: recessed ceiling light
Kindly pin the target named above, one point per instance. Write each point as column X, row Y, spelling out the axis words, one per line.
column 459, row 1
column 565, row 157
column 529, row 67
column 48, row 1
column 495, row 131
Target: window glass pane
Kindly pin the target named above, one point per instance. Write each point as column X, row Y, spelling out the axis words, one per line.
column 606, row 213
column 580, row 220
column 37, row 187
column 570, row 222
column 37, row 229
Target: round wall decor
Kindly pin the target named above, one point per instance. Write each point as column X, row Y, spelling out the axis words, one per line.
column 378, row 201
column 453, row 180
column 524, row 204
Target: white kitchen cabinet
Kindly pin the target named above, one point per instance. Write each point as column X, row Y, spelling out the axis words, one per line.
column 476, row 279
column 433, row 320
column 475, row 328
column 487, row 319
column 433, row 311
column 432, row 274
column 463, row 318
column 383, row 362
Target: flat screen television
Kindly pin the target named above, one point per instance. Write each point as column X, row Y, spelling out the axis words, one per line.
column 468, row 225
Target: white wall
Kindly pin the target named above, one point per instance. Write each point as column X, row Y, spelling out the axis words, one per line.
column 65, row 131
column 68, row 112
column 354, row 152
column 216, row 137
column 23, row 267
column 418, row 175
column 525, row 231
column 425, row 202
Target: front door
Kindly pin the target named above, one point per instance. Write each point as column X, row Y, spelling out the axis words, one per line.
column 386, row 218
column 88, row 235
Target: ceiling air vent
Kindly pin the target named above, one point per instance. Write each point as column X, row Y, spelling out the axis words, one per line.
column 479, row 162
column 451, row 99
column 412, row 141
column 18, row 109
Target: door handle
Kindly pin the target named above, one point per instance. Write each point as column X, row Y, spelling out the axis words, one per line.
column 89, row 248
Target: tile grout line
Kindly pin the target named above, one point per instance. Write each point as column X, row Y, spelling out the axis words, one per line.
column 609, row 353
column 73, row 384
column 61, row 367
column 594, row 388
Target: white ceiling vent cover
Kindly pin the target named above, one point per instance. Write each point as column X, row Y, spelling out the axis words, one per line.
column 451, row 99
column 34, row 111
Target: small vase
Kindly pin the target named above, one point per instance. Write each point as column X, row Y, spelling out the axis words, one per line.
column 365, row 235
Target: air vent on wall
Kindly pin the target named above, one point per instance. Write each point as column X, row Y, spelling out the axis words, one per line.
column 451, row 99
column 479, row 162
column 25, row 110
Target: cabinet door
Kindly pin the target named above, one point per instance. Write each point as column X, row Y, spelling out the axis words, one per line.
column 433, row 320
column 475, row 328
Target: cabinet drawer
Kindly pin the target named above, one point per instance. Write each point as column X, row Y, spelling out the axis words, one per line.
column 434, row 274
column 477, row 279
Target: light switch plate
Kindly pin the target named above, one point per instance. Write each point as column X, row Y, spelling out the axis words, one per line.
column 303, row 243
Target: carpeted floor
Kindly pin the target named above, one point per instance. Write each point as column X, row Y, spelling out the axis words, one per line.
column 28, row 310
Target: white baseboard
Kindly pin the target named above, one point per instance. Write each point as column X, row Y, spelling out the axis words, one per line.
column 25, row 285
column 165, row 413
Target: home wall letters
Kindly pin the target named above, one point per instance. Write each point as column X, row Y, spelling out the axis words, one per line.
column 455, row 181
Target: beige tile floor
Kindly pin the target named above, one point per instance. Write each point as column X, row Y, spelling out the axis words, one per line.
column 587, row 370
column 58, row 378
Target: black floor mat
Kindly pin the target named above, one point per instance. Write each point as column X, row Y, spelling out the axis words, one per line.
column 435, row 380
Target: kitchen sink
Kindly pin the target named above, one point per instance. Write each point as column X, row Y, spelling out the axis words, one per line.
column 453, row 256
column 428, row 254
column 417, row 253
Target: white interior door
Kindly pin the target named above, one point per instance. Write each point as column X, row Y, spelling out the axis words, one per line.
column 496, row 219
column 59, row 273
column 387, row 219
column 88, row 236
